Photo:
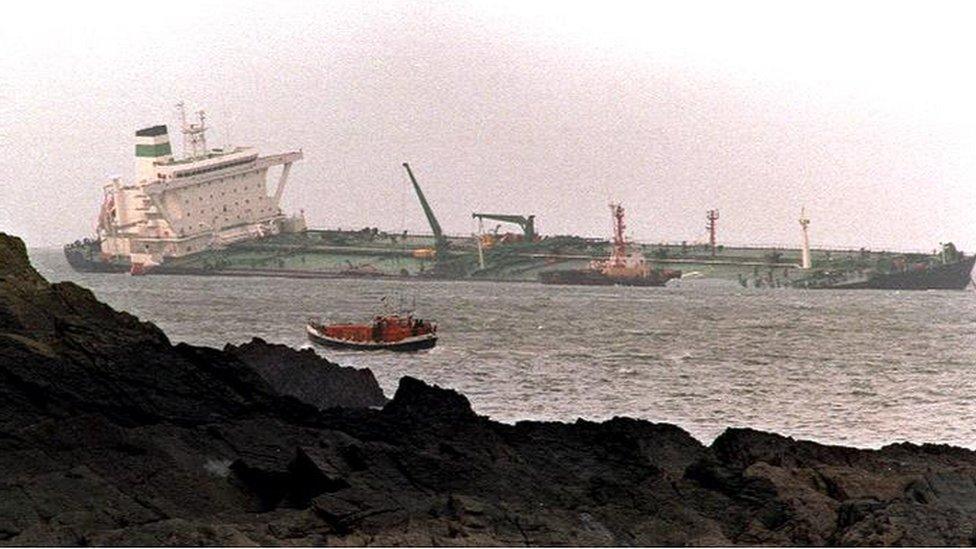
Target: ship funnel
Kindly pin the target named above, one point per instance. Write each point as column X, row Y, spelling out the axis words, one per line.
column 152, row 146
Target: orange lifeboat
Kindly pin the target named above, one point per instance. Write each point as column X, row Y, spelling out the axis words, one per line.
column 391, row 332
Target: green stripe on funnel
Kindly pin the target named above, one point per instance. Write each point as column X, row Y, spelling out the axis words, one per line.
column 153, row 151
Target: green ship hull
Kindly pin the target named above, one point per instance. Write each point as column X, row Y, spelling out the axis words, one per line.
column 370, row 253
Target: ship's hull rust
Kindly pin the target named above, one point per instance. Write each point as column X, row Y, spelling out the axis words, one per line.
column 413, row 343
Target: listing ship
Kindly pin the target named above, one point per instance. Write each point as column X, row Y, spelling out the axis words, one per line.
column 948, row 270
column 177, row 208
column 212, row 213
column 622, row 268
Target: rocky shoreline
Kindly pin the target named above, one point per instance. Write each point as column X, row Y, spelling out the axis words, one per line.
column 111, row 435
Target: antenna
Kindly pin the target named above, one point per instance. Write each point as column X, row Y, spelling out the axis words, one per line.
column 181, row 108
column 202, row 129
column 619, row 254
column 712, row 216
column 194, row 139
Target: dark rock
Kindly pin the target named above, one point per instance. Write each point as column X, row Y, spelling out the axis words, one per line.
column 414, row 398
column 309, row 377
column 110, row 435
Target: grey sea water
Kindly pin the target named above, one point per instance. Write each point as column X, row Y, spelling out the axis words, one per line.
column 858, row 368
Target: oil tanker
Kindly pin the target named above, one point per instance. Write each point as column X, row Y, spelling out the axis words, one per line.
column 950, row 270
column 214, row 212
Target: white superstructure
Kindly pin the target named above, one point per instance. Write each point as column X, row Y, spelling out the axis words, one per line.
column 206, row 199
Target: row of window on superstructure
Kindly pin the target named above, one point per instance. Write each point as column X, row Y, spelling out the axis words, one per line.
column 187, row 199
column 250, row 219
column 224, row 208
column 209, row 169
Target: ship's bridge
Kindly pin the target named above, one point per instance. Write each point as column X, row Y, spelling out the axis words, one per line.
column 246, row 160
column 208, row 198
column 216, row 159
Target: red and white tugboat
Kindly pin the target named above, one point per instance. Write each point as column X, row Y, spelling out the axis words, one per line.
column 622, row 268
column 393, row 332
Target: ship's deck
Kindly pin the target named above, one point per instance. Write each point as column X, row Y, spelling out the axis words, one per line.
column 377, row 253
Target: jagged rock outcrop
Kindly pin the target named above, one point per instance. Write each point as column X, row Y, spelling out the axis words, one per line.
column 111, row 435
column 308, row 377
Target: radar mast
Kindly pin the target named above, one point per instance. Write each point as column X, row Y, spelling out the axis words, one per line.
column 194, row 136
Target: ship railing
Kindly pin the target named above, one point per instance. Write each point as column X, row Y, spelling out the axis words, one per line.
column 275, row 159
column 770, row 246
column 261, row 163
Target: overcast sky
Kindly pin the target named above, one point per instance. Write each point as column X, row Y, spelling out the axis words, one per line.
column 864, row 113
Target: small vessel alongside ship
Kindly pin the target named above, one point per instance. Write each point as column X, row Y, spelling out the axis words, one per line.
column 212, row 212
column 622, row 268
column 392, row 332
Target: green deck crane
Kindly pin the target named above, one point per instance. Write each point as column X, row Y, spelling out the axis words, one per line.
column 527, row 223
column 440, row 242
